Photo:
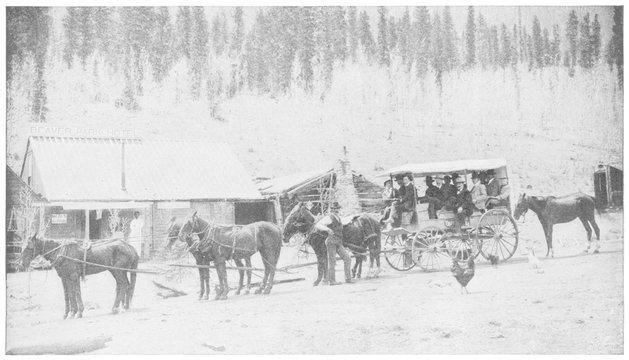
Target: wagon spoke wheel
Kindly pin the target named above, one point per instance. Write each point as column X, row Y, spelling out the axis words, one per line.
column 429, row 249
column 462, row 246
column 497, row 234
column 397, row 253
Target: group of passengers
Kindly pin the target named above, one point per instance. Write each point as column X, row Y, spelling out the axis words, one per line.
column 486, row 193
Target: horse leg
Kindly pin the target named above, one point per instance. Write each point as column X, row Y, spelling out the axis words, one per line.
column 265, row 278
column 66, row 295
column 248, row 264
column 79, row 300
column 597, row 231
column 125, row 291
column 222, row 275
column 119, row 295
column 72, row 284
column 321, row 262
column 588, row 230
column 549, row 240
column 241, row 275
column 201, row 281
column 269, row 268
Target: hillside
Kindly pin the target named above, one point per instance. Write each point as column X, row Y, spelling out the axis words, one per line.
column 552, row 138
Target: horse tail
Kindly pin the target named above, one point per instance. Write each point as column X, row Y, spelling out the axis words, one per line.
column 132, row 277
column 597, row 205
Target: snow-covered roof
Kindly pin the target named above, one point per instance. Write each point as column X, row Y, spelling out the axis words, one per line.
column 79, row 169
column 289, row 182
column 445, row 167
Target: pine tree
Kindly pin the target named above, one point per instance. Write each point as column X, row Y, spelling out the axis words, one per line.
column 555, row 47
column 392, row 35
column 572, row 30
column 449, row 41
column 199, row 50
column 615, row 55
column 495, row 48
column 70, row 27
column 595, row 40
column 515, row 56
column 352, row 32
column 404, row 38
column 105, row 36
column 183, row 29
column 28, row 33
column 339, row 33
column 162, row 44
column 438, row 51
column 307, row 51
column 470, row 38
column 366, row 37
column 546, row 48
column 85, row 34
column 383, row 48
column 217, row 36
column 538, row 44
column 239, row 32
column 484, row 42
column 423, row 40
column 585, row 52
column 506, row 48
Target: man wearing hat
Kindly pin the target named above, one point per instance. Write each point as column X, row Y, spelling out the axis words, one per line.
column 463, row 205
column 478, row 192
column 389, row 194
column 502, row 199
column 449, row 194
column 331, row 224
column 493, row 189
column 406, row 202
column 433, row 197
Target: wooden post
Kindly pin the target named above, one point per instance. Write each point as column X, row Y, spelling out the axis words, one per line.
column 87, row 225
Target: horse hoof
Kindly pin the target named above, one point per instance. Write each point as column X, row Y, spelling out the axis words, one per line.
column 224, row 297
column 596, row 251
column 316, row 283
column 237, row 292
column 258, row 292
column 79, row 316
column 206, row 297
column 65, row 316
column 246, row 292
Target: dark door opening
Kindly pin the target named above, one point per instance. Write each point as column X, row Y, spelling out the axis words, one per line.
column 249, row 212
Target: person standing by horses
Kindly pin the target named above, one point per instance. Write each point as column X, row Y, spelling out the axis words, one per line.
column 331, row 224
column 135, row 234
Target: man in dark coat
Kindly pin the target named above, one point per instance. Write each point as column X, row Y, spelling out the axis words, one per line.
column 463, row 205
column 331, row 224
column 449, row 194
column 493, row 188
column 433, row 197
column 406, row 203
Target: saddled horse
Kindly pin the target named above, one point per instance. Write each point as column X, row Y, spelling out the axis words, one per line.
column 113, row 253
column 222, row 243
column 362, row 235
column 204, row 259
column 553, row 210
column 301, row 220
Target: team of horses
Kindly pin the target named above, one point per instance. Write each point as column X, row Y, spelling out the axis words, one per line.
column 213, row 243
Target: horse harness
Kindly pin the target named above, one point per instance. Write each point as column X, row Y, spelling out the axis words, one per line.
column 210, row 232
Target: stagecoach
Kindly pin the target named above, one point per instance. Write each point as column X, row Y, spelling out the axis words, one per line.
column 432, row 243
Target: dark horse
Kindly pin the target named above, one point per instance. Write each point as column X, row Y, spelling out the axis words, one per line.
column 553, row 210
column 222, row 243
column 112, row 253
column 362, row 235
column 204, row 259
column 301, row 220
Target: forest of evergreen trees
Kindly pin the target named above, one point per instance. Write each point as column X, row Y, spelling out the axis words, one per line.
column 289, row 47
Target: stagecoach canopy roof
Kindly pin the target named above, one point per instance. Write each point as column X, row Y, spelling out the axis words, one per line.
column 81, row 169
column 289, row 182
column 445, row 167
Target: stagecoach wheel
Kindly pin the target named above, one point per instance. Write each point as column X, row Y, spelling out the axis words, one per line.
column 462, row 246
column 429, row 250
column 397, row 253
column 497, row 234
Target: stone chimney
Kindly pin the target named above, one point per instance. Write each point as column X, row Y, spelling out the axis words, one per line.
column 345, row 192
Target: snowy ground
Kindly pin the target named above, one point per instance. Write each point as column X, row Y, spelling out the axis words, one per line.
column 575, row 306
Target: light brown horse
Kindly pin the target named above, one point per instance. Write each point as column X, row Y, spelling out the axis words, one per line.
column 553, row 210
column 114, row 253
column 223, row 243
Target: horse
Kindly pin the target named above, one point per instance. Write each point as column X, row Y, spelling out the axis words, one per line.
column 361, row 235
column 201, row 259
column 301, row 220
column 553, row 210
column 204, row 259
column 114, row 253
column 222, row 243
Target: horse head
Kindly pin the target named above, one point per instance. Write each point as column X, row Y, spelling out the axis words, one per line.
column 188, row 228
column 522, row 207
column 31, row 251
column 299, row 220
column 174, row 226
